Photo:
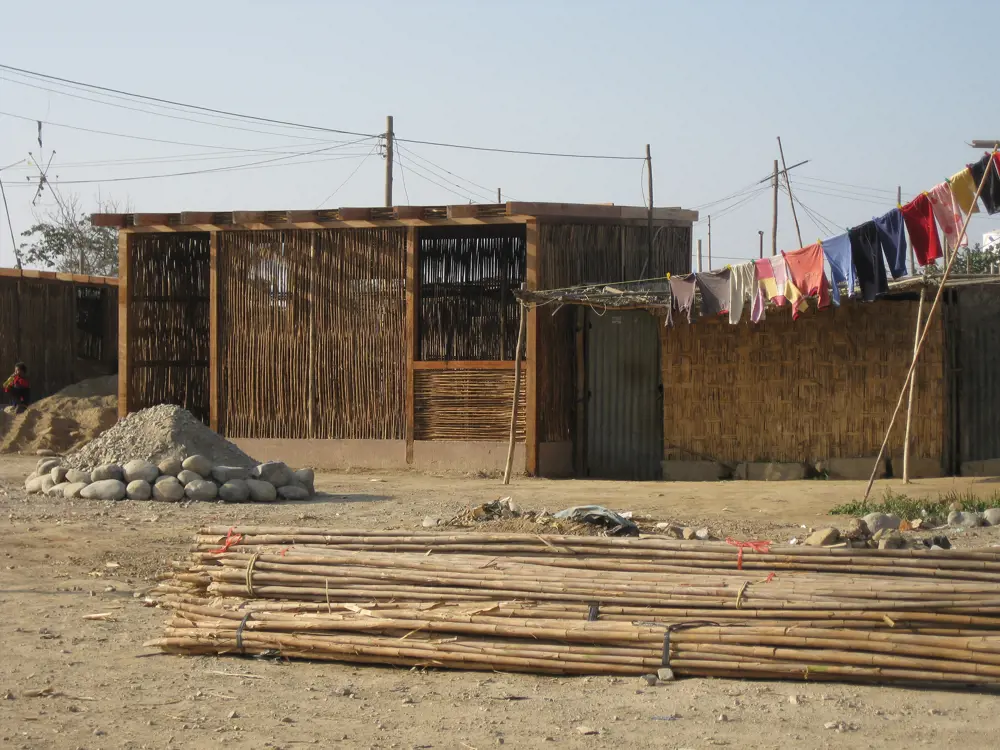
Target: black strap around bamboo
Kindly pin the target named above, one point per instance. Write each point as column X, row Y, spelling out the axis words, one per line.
column 594, row 612
column 239, row 632
column 665, row 656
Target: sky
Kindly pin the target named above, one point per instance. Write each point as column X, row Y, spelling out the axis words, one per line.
column 872, row 94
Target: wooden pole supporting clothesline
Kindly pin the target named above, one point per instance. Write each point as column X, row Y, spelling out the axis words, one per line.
column 923, row 336
column 517, row 390
column 913, row 384
column 788, row 185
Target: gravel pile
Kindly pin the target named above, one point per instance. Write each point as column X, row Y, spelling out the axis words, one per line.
column 156, row 434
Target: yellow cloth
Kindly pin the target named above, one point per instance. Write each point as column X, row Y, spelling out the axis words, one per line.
column 964, row 189
column 9, row 381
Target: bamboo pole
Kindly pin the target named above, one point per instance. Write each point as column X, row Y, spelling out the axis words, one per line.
column 913, row 379
column 923, row 337
column 517, row 392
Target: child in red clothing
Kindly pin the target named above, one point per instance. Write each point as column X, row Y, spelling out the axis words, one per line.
column 18, row 388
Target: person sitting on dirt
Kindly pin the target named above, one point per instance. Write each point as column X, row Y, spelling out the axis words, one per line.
column 18, row 388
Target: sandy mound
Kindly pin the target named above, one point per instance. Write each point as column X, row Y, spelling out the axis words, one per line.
column 157, row 433
column 65, row 420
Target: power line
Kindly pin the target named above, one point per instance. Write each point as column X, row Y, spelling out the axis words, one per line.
column 402, row 176
column 413, row 169
column 13, row 242
column 177, row 159
column 848, row 184
column 439, row 167
column 466, row 194
column 287, row 123
column 348, row 179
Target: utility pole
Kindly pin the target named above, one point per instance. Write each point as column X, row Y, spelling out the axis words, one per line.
column 388, row 161
column 774, row 218
column 710, row 242
column 649, row 218
column 699, row 256
column 499, row 197
column 788, row 184
column 761, row 233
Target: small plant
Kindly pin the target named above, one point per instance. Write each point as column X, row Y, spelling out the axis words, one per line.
column 908, row 508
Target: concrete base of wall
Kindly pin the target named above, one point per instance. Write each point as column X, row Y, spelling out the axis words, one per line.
column 988, row 468
column 761, row 471
column 693, row 471
column 468, row 457
column 555, row 460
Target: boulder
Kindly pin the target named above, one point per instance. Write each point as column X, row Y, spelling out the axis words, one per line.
column 185, row 476
column 234, row 491
column 703, row 535
column 430, row 522
column 261, row 492
column 76, row 476
column 992, row 516
column 878, row 521
column 857, row 531
column 45, row 452
column 199, row 464
column 289, row 492
column 201, row 489
column 823, row 537
column 44, row 483
column 107, row 471
column 170, row 466
column 56, row 490
column 223, row 474
column 307, row 478
column 168, row 489
column 139, row 489
column 58, row 474
column 963, row 519
column 274, row 472
column 46, row 465
column 73, row 489
column 688, row 533
column 34, row 484
column 140, row 470
column 104, row 489
column 892, row 540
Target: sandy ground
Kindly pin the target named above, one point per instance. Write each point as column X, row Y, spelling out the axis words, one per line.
column 62, row 561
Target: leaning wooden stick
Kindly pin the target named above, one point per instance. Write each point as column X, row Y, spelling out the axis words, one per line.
column 927, row 327
column 517, row 394
column 913, row 384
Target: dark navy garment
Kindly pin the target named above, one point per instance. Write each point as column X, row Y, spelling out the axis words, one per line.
column 990, row 195
column 866, row 252
column 892, row 237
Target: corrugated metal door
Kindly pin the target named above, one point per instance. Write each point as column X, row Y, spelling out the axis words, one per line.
column 978, row 378
column 624, row 412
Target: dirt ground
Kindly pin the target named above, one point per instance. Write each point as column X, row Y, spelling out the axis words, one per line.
column 64, row 560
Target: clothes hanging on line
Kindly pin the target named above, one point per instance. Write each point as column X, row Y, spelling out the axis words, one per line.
column 838, row 254
column 714, row 288
column 682, row 294
column 948, row 213
column 772, row 278
column 990, row 194
column 919, row 217
column 866, row 252
column 805, row 270
column 743, row 288
column 892, row 237
column 964, row 189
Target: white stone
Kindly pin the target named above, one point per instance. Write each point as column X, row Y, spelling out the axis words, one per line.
column 274, row 472
column 139, row 489
column 170, row 466
column 261, row 492
column 878, row 521
column 168, row 489
column 223, row 474
column 307, row 478
column 73, row 489
column 104, row 489
column 144, row 470
column 186, row 476
column 58, row 474
column 107, row 471
column 56, row 490
column 76, row 476
column 234, row 491
column 289, row 492
column 199, row 464
column 992, row 516
column 959, row 518
column 201, row 489
column 46, row 465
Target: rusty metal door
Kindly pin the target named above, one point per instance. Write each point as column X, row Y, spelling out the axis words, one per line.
column 624, row 411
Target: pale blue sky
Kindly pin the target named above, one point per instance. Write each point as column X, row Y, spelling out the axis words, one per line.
column 874, row 93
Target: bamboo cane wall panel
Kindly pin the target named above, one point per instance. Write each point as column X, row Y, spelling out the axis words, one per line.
column 571, row 254
column 467, row 276
column 169, row 335
column 466, row 404
column 821, row 387
column 312, row 333
column 39, row 325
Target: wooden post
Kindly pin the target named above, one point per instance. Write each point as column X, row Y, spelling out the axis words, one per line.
column 531, row 355
column 710, row 242
column 788, row 184
column 213, row 330
column 311, row 385
column 774, row 216
column 388, row 161
column 909, row 405
column 125, row 329
column 913, row 265
column 923, row 337
column 699, row 256
column 761, row 233
column 517, row 392
column 412, row 334
column 499, row 196
column 649, row 219
column 580, row 449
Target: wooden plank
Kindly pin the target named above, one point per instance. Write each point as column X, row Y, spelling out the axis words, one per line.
column 213, row 331
column 463, row 211
column 108, row 220
column 409, row 212
column 196, row 217
column 153, row 220
column 580, row 444
column 355, row 214
column 124, row 322
column 412, row 333
column 531, row 355
column 475, row 364
column 249, row 217
column 569, row 210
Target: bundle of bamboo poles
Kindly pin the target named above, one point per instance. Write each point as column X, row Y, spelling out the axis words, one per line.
column 588, row 605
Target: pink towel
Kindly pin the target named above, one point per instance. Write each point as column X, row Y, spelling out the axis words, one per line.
column 948, row 213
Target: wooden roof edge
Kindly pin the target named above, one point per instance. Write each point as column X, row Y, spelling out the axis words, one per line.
column 385, row 214
column 73, row 278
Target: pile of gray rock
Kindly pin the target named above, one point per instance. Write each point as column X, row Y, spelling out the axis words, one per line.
column 172, row 480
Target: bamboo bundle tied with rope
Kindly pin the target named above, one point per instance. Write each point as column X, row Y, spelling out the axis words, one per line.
column 587, row 605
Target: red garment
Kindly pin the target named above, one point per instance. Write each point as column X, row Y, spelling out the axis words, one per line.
column 805, row 266
column 17, row 382
column 918, row 216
